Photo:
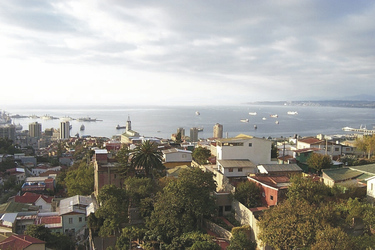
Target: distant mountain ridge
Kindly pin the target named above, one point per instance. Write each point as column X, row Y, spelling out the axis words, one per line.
column 358, row 101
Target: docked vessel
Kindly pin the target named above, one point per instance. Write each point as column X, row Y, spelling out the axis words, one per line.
column 120, row 127
column 87, row 119
column 292, row 113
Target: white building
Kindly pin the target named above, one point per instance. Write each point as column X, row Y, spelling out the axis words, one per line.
column 236, row 168
column 256, row 150
column 174, row 157
column 64, row 130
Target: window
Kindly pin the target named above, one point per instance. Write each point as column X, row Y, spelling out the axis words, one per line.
column 230, row 169
column 271, row 197
column 70, row 220
column 184, row 156
column 250, row 144
column 80, row 219
column 228, row 208
column 239, row 169
column 40, row 207
column 337, row 149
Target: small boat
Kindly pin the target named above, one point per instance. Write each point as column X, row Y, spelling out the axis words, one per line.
column 200, row 129
column 245, row 120
column 197, row 113
column 277, row 122
column 264, row 118
column 120, row 127
column 292, row 113
column 82, row 127
column 255, row 126
column 274, row 116
column 87, row 119
column 252, row 113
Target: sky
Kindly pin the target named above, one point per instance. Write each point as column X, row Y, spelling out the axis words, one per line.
column 186, row 52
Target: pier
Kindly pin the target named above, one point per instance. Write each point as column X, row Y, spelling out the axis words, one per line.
column 360, row 130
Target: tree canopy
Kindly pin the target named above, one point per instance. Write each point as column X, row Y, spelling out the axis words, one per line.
column 366, row 144
column 201, row 155
column 147, row 157
column 182, row 205
column 248, row 193
column 113, row 209
column 319, row 161
column 80, row 181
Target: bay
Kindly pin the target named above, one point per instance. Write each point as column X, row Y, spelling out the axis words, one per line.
column 160, row 121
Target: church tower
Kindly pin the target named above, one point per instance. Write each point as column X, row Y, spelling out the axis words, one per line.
column 128, row 124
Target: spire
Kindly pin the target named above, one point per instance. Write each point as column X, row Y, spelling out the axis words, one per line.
column 128, row 124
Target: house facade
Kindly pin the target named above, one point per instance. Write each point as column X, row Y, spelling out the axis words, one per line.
column 174, row 157
column 256, row 150
column 236, row 168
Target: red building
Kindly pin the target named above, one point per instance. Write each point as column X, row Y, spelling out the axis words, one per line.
column 273, row 188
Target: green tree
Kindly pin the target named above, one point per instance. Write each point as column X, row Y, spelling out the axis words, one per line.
column 319, row 161
column 123, row 158
column 138, row 189
column 178, row 137
column 193, row 240
column 148, row 157
column 291, row 224
column 201, row 155
column 39, row 231
column 304, row 188
column 332, row 238
column 366, row 144
column 80, row 181
column 248, row 193
column 53, row 240
column 241, row 239
column 112, row 210
column 182, row 205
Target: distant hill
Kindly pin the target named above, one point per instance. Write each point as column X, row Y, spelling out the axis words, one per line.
column 351, row 102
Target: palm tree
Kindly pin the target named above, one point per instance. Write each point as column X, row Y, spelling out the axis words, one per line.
column 148, row 157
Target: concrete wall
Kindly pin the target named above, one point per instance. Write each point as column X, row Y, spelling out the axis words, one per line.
column 246, row 217
column 223, row 233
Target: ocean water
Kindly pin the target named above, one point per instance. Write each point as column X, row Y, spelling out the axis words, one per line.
column 163, row 121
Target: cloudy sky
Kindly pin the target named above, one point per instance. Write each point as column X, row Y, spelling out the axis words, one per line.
column 184, row 52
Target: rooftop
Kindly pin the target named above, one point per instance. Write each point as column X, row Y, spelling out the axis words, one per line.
column 341, row 174
column 236, row 163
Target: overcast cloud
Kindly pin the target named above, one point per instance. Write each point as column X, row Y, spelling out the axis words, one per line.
column 184, row 52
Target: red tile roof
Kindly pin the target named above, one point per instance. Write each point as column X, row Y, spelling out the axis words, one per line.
column 29, row 197
column 48, row 220
column 272, row 181
column 310, row 140
column 19, row 242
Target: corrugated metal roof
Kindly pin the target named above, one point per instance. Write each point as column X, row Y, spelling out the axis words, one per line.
column 236, row 163
column 281, row 167
column 369, row 168
column 341, row 174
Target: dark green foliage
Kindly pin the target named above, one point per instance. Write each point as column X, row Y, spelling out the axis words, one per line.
column 80, row 181
column 113, row 210
column 182, row 205
column 138, row 189
column 304, row 188
column 7, row 147
column 248, row 193
column 194, row 240
column 53, row 240
column 147, row 157
column 125, row 169
column 319, row 161
column 241, row 239
column 201, row 155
